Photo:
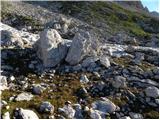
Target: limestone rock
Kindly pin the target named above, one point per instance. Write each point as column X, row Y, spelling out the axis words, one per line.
column 24, row 96
column 51, row 48
column 104, row 105
column 25, row 114
column 81, row 46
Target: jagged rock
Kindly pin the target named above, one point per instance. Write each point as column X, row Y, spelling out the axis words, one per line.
column 104, row 106
column 135, row 115
column 24, row 96
column 84, row 79
column 46, row 107
column 6, row 115
column 152, row 92
column 25, row 114
column 51, row 48
column 3, row 83
column 81, row 46
column 105, row 61
column 119, row 82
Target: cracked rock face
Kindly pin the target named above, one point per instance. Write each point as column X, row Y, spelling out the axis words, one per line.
column 51, row 48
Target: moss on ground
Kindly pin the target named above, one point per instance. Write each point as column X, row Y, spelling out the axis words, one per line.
column 152, row 114
column 109, row 13
column 65, row 90
column 122, row 61
column 118, row 101
column 146, row 66
column 19, row 20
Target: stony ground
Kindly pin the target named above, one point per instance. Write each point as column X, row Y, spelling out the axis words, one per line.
column 67, row 71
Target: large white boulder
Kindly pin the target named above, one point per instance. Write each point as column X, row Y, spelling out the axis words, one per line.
column 25, row 114
column 82, row 45
column 51, row 48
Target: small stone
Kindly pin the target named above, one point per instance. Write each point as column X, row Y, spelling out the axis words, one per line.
column 157, row 101
column 105, row 61
column 77, row 67
column 153, row 104
column 94, row 114
column 84, row 79
column 3, row 83
column 31, row 66
column 6, row 116
column 67, row 111
column 12, row 98
column 125, row 117
column 12, row 78
column 24, row 96
column 37, row 90
column 7, row 107
column 148, row 99
column 135, row 115
column 78, row 113
column 119, row 82
column 104, row 105
column 3, row 103
column 46, row 107
column 152, row 92
column 67, row 102
column 97, row 74
column 51, row 117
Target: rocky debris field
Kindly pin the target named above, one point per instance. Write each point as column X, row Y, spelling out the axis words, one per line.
column 67, row 72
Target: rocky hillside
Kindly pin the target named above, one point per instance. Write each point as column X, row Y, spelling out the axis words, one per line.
column 80, row 60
